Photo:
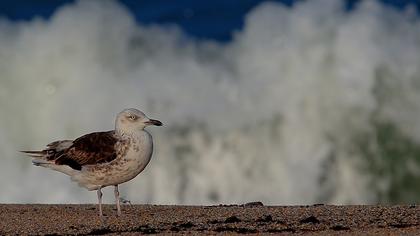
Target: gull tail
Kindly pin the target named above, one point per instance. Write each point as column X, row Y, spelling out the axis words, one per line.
column 40, row 162
column 53, row 151
column 35, row 153
column 39, row 158
column 46, row 158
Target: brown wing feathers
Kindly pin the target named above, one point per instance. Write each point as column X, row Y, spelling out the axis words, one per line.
column 93, row 148
column 89, row 149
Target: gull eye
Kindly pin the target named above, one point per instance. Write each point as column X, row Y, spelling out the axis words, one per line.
column 132, row 117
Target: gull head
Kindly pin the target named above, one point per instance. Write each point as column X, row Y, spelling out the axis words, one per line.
column 130, row 120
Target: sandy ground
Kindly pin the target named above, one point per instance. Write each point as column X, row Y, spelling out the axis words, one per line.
column 251, row 218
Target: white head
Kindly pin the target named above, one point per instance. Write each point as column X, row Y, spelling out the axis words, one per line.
column 131, row 120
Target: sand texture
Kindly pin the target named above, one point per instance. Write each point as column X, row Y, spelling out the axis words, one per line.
column 251, row 218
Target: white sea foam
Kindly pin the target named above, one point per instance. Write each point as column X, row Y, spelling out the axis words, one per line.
column 272, row 116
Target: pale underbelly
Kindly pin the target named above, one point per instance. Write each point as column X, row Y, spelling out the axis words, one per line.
column 113, row 173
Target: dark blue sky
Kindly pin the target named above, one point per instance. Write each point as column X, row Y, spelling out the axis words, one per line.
column 215, row 19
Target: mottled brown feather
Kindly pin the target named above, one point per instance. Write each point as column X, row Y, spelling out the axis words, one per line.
column 93, row 148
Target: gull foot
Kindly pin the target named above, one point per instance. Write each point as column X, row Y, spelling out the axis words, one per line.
column 125, row 201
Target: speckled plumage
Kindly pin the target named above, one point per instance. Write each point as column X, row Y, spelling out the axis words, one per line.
column 129, row 162
column 101, row 159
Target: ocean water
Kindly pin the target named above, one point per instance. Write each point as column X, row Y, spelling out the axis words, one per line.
column 308, row 104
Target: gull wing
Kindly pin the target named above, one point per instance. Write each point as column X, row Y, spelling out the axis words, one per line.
column 93, row 148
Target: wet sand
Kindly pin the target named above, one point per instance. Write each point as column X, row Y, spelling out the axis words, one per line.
column 252, row 218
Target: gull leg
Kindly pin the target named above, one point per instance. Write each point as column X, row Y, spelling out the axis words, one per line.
column 100, row 201
column 117, row 200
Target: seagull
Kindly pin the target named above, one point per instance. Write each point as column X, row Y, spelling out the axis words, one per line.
column 102, row 159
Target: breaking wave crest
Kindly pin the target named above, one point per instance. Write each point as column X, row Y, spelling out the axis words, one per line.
column 306, row 104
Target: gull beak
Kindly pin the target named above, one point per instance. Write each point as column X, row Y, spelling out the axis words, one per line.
column 153, row 122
